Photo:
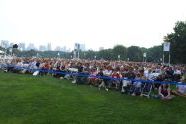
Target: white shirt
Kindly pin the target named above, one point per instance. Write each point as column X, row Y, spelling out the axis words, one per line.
column 107, row 72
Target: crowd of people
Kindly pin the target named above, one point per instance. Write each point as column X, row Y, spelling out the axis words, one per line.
column 133, row 78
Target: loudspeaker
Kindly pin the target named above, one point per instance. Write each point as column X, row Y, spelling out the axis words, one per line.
column 15, row 46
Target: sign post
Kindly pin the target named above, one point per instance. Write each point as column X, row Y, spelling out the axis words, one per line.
column 58, row 54
column 166, row 48
column 144, row 57
column 119, row 57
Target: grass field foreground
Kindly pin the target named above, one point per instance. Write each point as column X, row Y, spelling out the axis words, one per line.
column 25, row 99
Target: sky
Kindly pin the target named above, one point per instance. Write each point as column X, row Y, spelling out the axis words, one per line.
column 95, row 23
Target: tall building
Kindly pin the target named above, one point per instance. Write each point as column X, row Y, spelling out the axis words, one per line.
column 11, row 44
column 82, row 47
column 58, row 48
column 4, row 43
column 31, row 47
column 22, row 46
column 49, row 47
column 79, row 46
column 68, row 50
column 42, row 48
column 64, row 49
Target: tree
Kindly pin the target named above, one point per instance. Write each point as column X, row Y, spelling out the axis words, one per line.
column 178, row 43
column 154, row 54
column 134, row 53
column 90, row 54
column 106, row 54
column 119, row 50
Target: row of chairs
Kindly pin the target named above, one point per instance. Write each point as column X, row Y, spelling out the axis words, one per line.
column 137, row 88
column 125, row 86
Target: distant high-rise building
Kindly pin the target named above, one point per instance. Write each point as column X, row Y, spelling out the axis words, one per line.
column 22, row 46
column 58, row 48
column 64, row 49
column 4, row 43
column 11, row 44
column 49, row 47
column 68, row 50
column 78, row 46
column 82, row 47
column 42, row 48
column 31, row 47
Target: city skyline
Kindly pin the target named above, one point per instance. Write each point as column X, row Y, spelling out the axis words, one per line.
column 44, row 47
column 96, row 23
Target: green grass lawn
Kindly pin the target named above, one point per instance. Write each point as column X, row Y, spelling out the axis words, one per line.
column 25, row 99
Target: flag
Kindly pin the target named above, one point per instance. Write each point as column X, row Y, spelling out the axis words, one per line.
column 166, row 46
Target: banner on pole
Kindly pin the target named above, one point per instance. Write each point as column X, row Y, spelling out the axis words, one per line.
column 166, row 46
column 144, row 55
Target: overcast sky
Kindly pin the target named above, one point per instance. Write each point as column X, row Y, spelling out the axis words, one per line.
column 93, row 22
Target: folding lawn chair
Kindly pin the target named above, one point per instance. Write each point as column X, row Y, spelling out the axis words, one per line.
column 147, row 89
column 125, row 88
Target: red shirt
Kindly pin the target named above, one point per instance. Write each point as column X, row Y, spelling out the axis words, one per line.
column 115, row 75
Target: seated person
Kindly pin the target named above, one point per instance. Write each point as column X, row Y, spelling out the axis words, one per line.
column 92, row 80
column 181, row 89
column 164, row 92
column 115, row 75
column 125, row 84
column 137, row 85
column 101, row 79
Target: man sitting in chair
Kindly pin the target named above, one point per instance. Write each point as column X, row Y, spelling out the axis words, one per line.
column 164, row 92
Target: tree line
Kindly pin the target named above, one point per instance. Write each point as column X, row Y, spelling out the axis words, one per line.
column 133, row 53
column 119, row 52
